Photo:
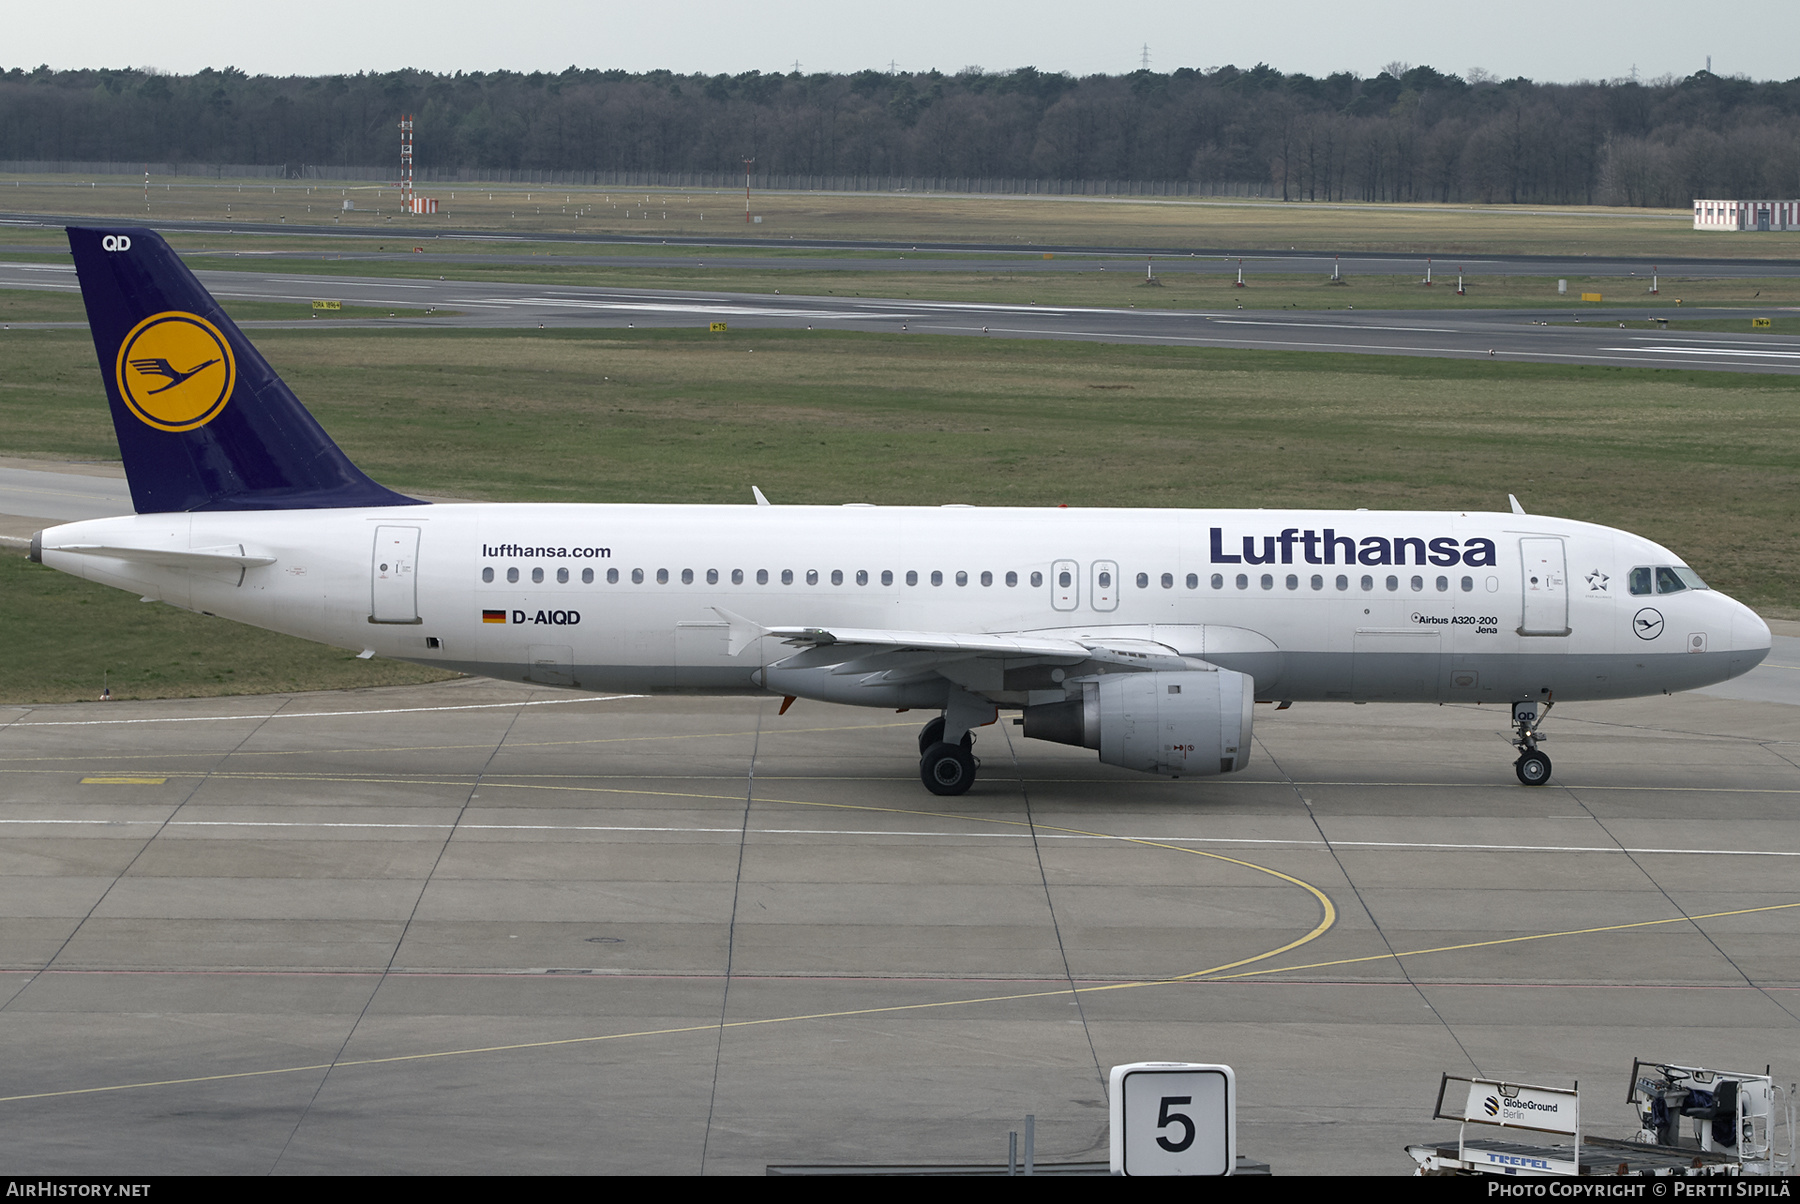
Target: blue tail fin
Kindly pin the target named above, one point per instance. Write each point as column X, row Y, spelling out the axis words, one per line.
column 203, row 421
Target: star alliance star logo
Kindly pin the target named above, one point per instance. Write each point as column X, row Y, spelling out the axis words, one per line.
column 1597, row 582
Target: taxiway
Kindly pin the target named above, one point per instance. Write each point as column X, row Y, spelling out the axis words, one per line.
column 481, row 927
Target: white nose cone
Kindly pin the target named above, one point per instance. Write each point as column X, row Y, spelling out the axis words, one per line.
column 1750, row 639
column 1751, row 632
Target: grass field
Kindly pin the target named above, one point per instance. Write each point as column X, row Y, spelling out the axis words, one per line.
column 70, row 638
column 910, row 217
column 1706, row 463
column 1179, row 286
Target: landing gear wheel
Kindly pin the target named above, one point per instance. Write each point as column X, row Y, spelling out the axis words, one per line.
column 1533, row 768
column 933, row 733
column 947, row 769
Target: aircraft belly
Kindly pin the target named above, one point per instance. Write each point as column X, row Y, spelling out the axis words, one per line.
column 1270, row 670
column 604, row 679
column 1493, row 676
column 1401, row 665
column 1308, row 676
column 702, row 653
column 1582, row 676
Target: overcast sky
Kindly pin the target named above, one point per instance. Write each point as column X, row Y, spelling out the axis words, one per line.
column 1545, row 40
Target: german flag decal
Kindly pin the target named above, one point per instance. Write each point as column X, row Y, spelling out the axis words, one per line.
column 493, row 616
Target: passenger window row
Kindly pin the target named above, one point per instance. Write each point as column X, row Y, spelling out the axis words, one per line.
column 763, row 576
column 1342, row 582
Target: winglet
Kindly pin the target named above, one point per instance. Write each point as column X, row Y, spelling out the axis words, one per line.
column 760, row 499
column 741, row 632
column 1516, row 508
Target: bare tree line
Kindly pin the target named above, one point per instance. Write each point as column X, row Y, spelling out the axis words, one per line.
column 1407, row 134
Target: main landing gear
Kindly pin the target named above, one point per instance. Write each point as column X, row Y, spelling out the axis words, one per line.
column 1533, row 767
column 946, row 768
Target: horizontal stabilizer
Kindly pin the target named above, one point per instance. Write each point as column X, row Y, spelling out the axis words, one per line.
column 228, row 556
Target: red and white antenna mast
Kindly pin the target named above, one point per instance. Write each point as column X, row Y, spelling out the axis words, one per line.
column 747, row 163
column 406, row 163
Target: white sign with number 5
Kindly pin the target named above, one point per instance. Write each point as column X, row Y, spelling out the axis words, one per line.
column 1174, row 1118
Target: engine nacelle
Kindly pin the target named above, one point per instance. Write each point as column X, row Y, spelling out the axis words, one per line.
column 1179, row 723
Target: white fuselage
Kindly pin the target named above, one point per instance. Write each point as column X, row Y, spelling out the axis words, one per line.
column 1314, row 605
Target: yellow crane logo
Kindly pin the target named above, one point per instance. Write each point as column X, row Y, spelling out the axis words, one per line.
column 175, row 371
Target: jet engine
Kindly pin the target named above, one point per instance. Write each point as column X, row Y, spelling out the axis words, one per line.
column 1187, row 722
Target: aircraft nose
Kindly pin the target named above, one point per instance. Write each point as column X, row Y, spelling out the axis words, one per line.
column 1750, row 633
column 1750, row 639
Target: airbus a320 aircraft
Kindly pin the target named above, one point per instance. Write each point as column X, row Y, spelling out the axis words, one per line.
column 1144, row 634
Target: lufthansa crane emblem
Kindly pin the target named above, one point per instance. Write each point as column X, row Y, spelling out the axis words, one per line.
column 175, row 371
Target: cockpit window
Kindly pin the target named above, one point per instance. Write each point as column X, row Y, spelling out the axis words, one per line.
column 1668, row 578
column 1672, row 579
column 1690, row 577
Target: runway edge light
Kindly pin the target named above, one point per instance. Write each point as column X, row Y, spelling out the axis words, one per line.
column 1173, row 1118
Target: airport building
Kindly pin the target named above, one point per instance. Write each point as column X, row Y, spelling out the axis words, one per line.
column 1746, row 215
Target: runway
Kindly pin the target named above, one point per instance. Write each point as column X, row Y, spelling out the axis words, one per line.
column 44, row 492
column 486, row 928
column 1501, row 335
column 889, row 255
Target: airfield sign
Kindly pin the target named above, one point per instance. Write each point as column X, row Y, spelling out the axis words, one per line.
column 1174, row 1118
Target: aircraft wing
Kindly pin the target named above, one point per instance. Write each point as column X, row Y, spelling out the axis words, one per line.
column 859, row 643
column 744, row 632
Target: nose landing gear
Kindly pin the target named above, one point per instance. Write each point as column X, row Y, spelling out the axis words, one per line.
column 1533, row 767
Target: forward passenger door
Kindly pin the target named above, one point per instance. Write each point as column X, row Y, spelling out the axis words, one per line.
column 1544, row 581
